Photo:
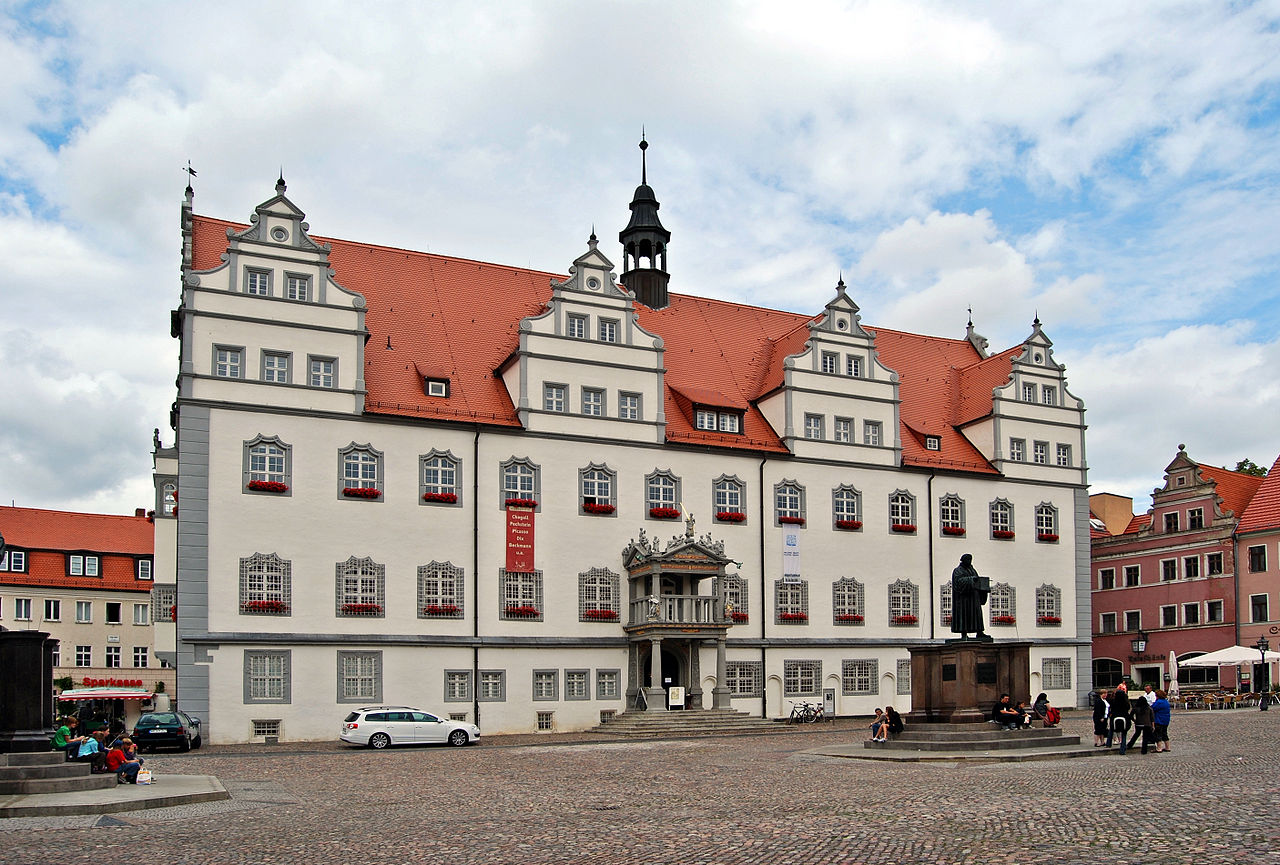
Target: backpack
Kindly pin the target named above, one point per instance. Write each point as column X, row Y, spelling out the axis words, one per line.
column 1052, row 715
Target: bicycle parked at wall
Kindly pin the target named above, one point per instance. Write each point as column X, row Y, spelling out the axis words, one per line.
column 805, row 713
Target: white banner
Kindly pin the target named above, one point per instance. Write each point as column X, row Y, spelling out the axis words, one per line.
column 790, row 555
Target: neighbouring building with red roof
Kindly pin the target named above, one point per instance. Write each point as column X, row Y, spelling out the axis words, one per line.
column 86, row 580
column 1258, row 550
column 534, row 500
column 1170, row 576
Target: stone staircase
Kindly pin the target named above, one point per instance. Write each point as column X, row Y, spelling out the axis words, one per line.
column 47, row 772
column 978, row 742
column 691, row 723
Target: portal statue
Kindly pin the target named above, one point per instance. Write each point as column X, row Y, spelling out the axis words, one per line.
column 969, row 592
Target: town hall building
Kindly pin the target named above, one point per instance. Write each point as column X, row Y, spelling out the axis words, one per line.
column 536, row 501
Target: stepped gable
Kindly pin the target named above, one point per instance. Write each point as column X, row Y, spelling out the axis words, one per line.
column 459, row 318
column 35, row 530
column 1263, row 511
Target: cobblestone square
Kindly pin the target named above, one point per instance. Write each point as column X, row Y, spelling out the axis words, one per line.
column 763, row 799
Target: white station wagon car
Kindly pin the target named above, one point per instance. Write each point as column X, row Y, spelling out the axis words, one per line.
column 380, row 726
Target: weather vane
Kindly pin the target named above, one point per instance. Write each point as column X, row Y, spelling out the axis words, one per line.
column 190, row 172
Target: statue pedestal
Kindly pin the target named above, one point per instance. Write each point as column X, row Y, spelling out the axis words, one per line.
column 26, row 691
column 959, row 681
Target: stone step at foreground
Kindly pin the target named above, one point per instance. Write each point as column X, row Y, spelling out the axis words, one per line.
column 47, row 772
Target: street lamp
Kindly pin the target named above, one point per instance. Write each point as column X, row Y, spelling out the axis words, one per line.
column 1139, row 643
column 1262, row 646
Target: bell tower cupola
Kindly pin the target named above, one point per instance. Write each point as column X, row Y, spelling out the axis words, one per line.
column 644, row 244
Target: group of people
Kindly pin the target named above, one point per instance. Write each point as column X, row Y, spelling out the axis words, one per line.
column 1013, row 716
column 886, row 722
column 120, row 756
column 1148, row 715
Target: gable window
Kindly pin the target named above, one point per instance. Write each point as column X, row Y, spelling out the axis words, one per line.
column 1004, row 609
column 951, row 515
column 902, row 512
column 1046, row 523
column 1018, row 450
column 257, row 282
column 1107, row 578
column 297, row 287
column 848, row 602
column 1028, row 392
column 727, row 495
column 859, row 677
column 1132, row 575
column 266, row 466
column 82, row 566
column 576, row 326
column 1169, row 570
column 360, row 472
column 1001, row 520
column 1195, row 518
column 266, row 676
column 846, row 508
column 788, row 501
column 629, row 406
column 1049, row 395
column 359, row 677
column 871, row 432
column 814, row 426
column 598, row 593
column 608, row 330
column 275, row 367
column 661, row 495
column 520, row 596
column 440, row 591
column 597, row 484
column 843, row 431
column 830, row 362
column 265, row 585
column 228, row 362
column 853, row 366
column 553, row 397
column 1214, row 561
column 323, row 371
column 520, row 479
column 1171, row 522
column 1040, row 453
column 359, row 586
column 438, row 479
column 904, row 603
column 1257, row 559
column 592, row 402
column 791, row 602
column 13, row 561
column 1064, row 455
column 801, row 678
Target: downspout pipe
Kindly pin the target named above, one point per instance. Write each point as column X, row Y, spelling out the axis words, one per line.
column 475, row 576
column 929, row 523
column 764, row 692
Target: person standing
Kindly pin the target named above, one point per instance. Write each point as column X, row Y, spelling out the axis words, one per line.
column 1120, row 716
column 1161, row 713
column 1101, row 708
column 1142, row 724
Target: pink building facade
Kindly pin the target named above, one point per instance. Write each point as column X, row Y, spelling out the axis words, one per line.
column 1258, row 549
column 1172, row 575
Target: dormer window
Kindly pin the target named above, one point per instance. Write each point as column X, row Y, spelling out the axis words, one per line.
column 932, row 443
column 717, row 420
column 436, row 386
column 853, row 366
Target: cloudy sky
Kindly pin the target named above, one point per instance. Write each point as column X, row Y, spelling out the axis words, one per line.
column 1113, row 167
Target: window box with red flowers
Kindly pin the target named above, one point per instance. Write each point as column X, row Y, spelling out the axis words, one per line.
column 793, row 618
column 953, row 531
column 739, row 618
column 730, row 516
column 600, row 615
column 597, row 508
column 264, row 608
column 904, row 620
column 267, row 487
column 1047, row 538
column 521, row 612
column 521, row 503
column 440, row 498
column 791, row 521
column 849, row 525
column 664, row 513
column 1004, row 620
column 442, row 611
column 361, row 609
column 848, row 619
column 1002, row 534
column 946, row 620
column 362, row 493
column 903, row 528
column 1048, row 620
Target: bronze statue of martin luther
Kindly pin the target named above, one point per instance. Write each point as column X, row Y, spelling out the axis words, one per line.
column 969, row 591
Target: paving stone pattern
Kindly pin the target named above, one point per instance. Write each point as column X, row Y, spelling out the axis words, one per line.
column 762, row 799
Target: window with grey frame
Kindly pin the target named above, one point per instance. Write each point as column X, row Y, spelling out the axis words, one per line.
column 744, row 678
column 598, row 595
column 662, row 495
column 945, row 603
column 902, row 512
column 904, row 603
column 951, row 515
column 859, row 676
column 593, row 401
column 267, row 466
column 360, row 472
column 628, row 406
column 788, row 503
column 848, row 602
column 265, row 585
column 439, row 479
column 815, row 426
column 903, row 681
column 492, row 687
column 267, row 676
column 228, row 361
column 546, row 685
column 322, row 372
column 608, row 684
column 802, row 678
column 297, row 287
column 519, row 596
column 736, row 597
column 597, row 485
column 359, row 588
column 577, row 685
column 164, row 603
column 791, row 602
column 1046, row 523
column 257, row 282
column 440, row 591
column 1000, row 514
column 1048, row 605
column 519, row 479
column 846, row 508
column 359, row 677
column 1003, row 605
column 1055, row 674
column 277, row 367
column 457, row 686
column 728, row 495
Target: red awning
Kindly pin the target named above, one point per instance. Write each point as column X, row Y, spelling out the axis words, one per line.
column 106, row 694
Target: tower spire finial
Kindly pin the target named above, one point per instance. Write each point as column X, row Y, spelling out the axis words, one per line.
column 644, row 168
column 280, row 187
column 191, row 175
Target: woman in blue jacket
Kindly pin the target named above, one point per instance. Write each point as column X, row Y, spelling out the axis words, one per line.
column 1162, row 711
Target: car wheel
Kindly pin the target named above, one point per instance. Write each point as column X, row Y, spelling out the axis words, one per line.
column 184, row 745
column 379, row 741
column 197, row 742
column 458, row 738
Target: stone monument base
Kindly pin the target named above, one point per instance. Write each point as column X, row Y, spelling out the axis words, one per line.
column 959, row 681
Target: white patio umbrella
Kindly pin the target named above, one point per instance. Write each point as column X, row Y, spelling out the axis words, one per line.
column 1229, row 657
column 1173, row 668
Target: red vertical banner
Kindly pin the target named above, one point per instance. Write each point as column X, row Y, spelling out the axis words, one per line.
column 519, row 540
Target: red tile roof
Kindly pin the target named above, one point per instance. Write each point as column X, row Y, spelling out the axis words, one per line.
column 1236, row 489
column 1139, row 521
column 117, row 539
column 1263, row 511
column 459, row 318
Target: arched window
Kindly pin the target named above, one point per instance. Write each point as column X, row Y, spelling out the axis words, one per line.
column 788, row 498
column 597, row 483
column 519, row 479
column 902, row 511
column 791, row 602
column 440, row 591
column 662, row 494
column 735, row 598
column 360, row 472
column 848, row 606
column 951, row 514
column 1002, row 520
column 1004, row 608
column 1046, row 523
column 360, row 588
column 904, row 604
column 439, row 481
column 846, row 508
column 728, row 495
column 1048, row 605
column 598, row 595
column 1107, row 673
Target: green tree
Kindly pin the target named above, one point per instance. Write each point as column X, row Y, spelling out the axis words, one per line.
column 1247, row 466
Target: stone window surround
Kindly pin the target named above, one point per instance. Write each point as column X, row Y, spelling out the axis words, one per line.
column 344, row 482
column 238, row 351
column 285, row 656
column 534, row 473
column 487, row 677
column 859, row 677
column 792, row 490
column 343, row 657
column 423, row 488
column 285, row 477
column 610, row 477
